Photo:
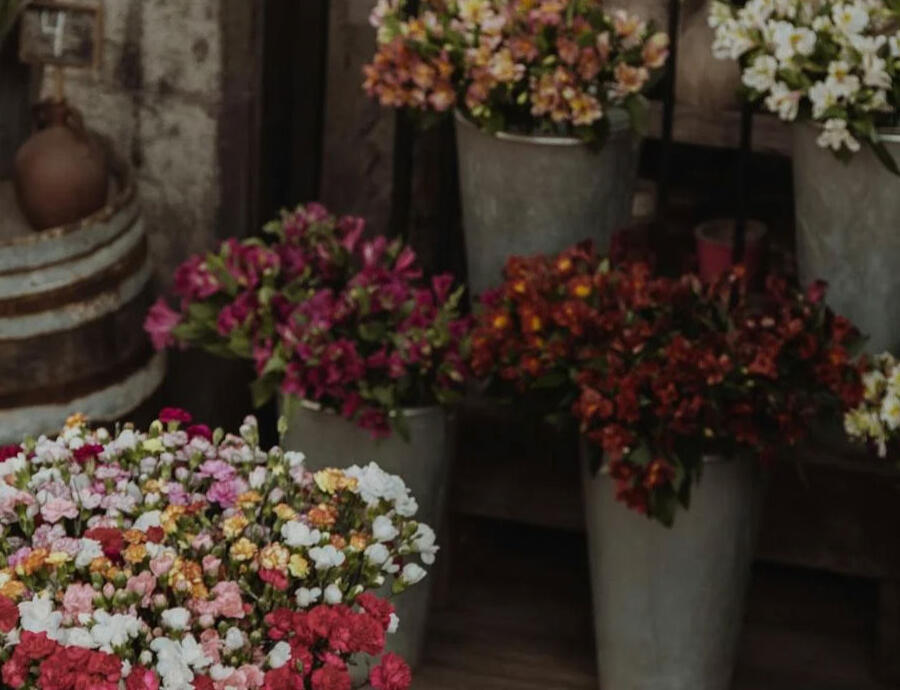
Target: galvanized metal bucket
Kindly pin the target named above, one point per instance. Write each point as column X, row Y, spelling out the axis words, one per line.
column 669, row 602
column 329, row 440
column 847, row 233
column 524, row 195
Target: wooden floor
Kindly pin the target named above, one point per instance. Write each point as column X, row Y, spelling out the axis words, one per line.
column 516, row 615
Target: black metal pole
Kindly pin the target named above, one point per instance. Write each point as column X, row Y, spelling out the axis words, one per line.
column 668, row 117
column 401, row 179
column 743, row 163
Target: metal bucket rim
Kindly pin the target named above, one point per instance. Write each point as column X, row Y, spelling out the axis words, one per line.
column 422, row 410
column 756, row 230
column 125, row 194
column 617, row 127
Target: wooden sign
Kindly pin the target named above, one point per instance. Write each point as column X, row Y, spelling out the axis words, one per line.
column 61, row 32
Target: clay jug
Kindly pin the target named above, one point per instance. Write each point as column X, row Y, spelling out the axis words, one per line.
column 61, row 171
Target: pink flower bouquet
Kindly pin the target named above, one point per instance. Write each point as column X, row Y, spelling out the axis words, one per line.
column 524, row 66
column 181, row 558
column 326, row 315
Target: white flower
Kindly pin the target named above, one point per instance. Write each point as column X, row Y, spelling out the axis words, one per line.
column 112, row 631
column 423, row 541
column 406, row 506
column 90, row 549
column 78, row 637
column 394, row 623
column 305, row 596
column 279, row 655
column 731, row 41
column 193, row 653
column 719, row 13
column 126, row 668
column 297, row 534
column 849, row 18
column 761, row 74
column 383, row 529
column 784, row 102
column 219, row 672
column 868, row 45
column 890, row 411
column 374, row 484
column 147, row 520
column 756, row 13
column 412, row 573
column 333, row 595
column 835, row 136
column 840, row 81
column 176, row 618
column 39, row 616
column 875, row 71
column 874, row 383
column 326, row 557
column 294, row 459
column 376, row 554
column 894, row 43
column 791, row 40
column 13, row 465
column 822, row 98
column 234, row 639
column 258, row 477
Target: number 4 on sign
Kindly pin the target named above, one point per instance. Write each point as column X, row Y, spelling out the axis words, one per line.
column 57, row 29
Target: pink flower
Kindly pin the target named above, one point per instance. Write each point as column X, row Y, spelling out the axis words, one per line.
column 194, row 281
column 211, row 644
column 162, row 564
column 78, row 599
column 56, row 509
column 143, row 584
column 159, row 324
column 211, row 564
column 228, row 599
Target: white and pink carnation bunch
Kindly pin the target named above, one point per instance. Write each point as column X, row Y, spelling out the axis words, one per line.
column 183, row 558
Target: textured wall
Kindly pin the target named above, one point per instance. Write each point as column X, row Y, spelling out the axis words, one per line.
column 159, row 97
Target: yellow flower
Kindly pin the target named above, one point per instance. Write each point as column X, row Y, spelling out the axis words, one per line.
column 58, row 558
column 285, row 512
column 169, row 518
column 152, row 486
column 248, row 498
column 135, row 553
column 12, row 589
column 298, row 566
column 274, row 557
column 75, row 420
column 134, row 536
column 331, row 480
column 243, row 549
column 32, row 562
column 234, row 525
column 358, row 542
column 153, row 445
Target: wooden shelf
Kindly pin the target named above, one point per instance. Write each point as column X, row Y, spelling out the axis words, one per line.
column 721, row 129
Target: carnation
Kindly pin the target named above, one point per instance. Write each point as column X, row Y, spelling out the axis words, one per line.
column 263, row 590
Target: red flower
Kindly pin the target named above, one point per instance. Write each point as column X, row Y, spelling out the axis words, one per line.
column 11, row 451
column 283, row 678
column 330, row 678
column 274, row 577
column 9, row 614
column 391, row 674
column 203, row 683
column 174, row 414
column 110, row 538
column 86, row 452
column 200, row 430
column 380, row 609
column 141, row 678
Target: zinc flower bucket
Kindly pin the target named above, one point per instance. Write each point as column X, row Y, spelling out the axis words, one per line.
column 527, row 195
column 422, row 459
column 847, row 218
column 669, row 602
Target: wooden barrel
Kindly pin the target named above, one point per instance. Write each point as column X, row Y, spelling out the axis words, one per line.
column 72, row 304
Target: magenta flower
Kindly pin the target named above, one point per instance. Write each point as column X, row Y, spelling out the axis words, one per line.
column 159, row 324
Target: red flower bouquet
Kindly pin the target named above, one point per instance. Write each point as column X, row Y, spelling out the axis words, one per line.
column 660, row 372
column 326, row 315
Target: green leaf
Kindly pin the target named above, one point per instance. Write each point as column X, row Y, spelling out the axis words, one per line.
column 887, row 160
column 262, row 390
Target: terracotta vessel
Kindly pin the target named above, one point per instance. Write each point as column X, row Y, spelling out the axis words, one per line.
column 61, row 171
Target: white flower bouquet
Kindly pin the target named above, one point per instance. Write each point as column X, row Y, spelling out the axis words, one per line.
column 876, row 419
column 836, row 63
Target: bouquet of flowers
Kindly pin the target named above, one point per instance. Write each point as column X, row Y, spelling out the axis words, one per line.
column 185, row 558
column 877, row 417
column 326, row 316
column 525, row 66
column 665, row 371
column 837, row 63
